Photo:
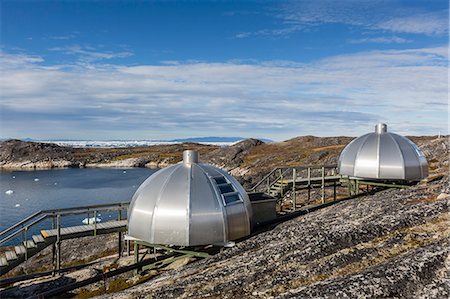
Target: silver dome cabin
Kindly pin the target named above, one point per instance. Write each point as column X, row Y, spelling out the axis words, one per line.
column 383, row 156
column 189, row 204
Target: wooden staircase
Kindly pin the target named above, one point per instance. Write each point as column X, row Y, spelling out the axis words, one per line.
column 22, row 252
column 14, row 254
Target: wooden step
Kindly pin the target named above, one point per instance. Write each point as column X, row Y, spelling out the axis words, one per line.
column 20, row 249
column 3, row 261
column 38, row 239
column 10, row 255
column 29, row 244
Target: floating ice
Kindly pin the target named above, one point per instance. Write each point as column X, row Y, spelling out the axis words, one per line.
column 124, row 171
column 36, row 180
column 55, row 183
column 91, row 220
column 13, row 176
column 9, row 192
column 17, row 205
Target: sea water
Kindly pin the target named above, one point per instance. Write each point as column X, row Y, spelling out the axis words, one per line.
column 23, row 193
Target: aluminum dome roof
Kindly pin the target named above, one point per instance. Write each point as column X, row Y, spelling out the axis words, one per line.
column 383, row 155
column 189, row 204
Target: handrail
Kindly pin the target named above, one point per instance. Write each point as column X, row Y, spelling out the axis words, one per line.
column 20, row 223
column 298, row 167
column 24, row 224
column 86, row 207
column 22, row 229
column 264, row 179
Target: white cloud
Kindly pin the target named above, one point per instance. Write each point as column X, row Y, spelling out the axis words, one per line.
column 429, row 24
column 340, row 95
column 373, row 15
column 89, row 54
column 381, row 40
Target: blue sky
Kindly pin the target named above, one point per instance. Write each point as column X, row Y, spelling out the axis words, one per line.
column 161, row 70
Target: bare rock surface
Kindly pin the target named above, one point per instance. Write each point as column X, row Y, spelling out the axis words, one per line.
column 394, row 244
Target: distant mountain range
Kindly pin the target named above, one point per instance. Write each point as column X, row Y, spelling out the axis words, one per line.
column 213, row 139
column 221, row 141
column 192, row 139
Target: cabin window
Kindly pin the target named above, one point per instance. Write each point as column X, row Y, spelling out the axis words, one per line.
column 220, row 180
column 226, row 188
column 230, row 198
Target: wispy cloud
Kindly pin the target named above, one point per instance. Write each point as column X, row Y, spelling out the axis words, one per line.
column 429, row 24
column 63, row 37
column 90, row 54
column 343, row 94
column 373, row 15
column 381, row 40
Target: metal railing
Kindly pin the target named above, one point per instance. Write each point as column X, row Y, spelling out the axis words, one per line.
column 278, row 174
column 22, row 227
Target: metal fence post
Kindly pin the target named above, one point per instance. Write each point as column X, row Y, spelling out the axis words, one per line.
column 309, row 184
column 294, row 195
column 26, row 243
column 323, row 184
column 95, row 222
column 119, row 217
column 281, row 180
column 58, row 242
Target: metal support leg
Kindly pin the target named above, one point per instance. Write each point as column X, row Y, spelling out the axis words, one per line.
column 136, row 255
column 119, row 217
column 58, row 242
column 95, row 223
column 54, row 259
column 334, row 191
column 120, row 244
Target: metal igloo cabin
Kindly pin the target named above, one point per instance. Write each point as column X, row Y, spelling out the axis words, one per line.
column 382, row 155
column 190, row 204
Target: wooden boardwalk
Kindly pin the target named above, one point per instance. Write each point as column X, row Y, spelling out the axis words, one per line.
column 86, row 230
column 37, row 243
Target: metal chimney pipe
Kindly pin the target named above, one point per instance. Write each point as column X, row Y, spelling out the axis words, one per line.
column 190, row 156
column 381, row 128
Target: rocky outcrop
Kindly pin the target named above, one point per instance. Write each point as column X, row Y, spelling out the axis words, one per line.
column 16, row 154
column 395, row 244
column 233, row 156
column 31, row 155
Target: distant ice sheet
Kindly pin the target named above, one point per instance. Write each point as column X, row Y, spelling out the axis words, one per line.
column 122, row 144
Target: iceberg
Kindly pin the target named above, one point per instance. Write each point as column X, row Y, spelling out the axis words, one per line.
column 36, row 180
column 9, row 192
column 91, row 220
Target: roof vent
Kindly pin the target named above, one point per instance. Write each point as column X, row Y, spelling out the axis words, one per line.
column 190, row 157
column 381, row 128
